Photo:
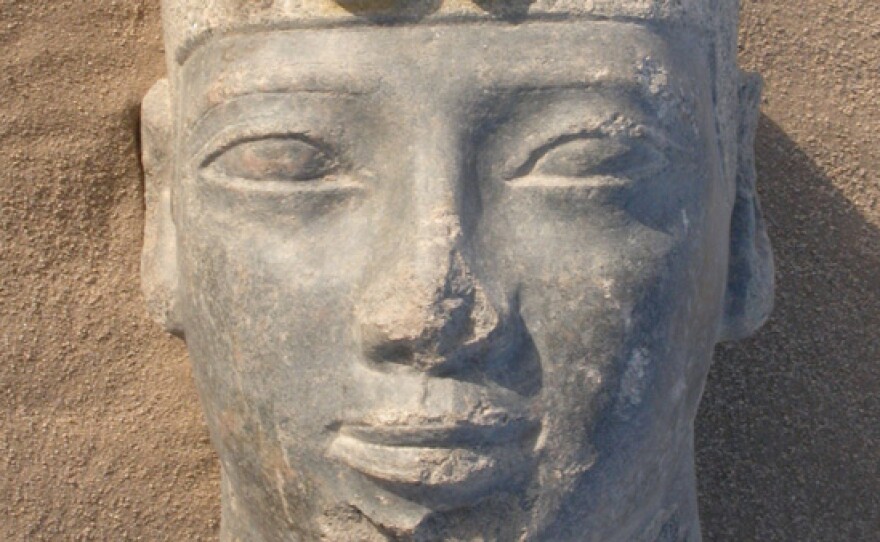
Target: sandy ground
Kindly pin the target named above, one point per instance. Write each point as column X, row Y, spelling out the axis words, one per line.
column 101, row 437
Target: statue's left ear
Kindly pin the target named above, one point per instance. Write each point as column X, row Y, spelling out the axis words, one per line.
column 159, row 257
column 750, row 281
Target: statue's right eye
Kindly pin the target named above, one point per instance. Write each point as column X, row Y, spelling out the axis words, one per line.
column 273, row 158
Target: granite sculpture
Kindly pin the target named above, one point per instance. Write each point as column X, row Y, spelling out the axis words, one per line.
column 454, row 270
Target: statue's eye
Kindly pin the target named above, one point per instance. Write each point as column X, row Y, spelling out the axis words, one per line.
column 574, row 157
column 276, row 158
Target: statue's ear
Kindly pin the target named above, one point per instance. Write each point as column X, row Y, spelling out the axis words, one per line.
column 750, row 281
column 159, row 258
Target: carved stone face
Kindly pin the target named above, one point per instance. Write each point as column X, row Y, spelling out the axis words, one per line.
column 446, row 282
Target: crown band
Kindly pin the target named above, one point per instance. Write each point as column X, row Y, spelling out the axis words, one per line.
column 191, row 22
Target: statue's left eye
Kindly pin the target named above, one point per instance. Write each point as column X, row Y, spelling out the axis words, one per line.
column 576, row 157
column 276, row 158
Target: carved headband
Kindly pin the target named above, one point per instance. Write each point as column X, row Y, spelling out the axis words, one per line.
column 190, row 22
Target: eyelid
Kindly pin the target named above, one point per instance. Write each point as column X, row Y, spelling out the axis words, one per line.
column 233, row 136
column 342, row 183
column 539, row 152
column 263, row 115
column 293, row 136
column 653, row 159
column 285, row 158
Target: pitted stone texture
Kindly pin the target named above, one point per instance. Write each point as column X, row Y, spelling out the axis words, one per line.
column 454, row 281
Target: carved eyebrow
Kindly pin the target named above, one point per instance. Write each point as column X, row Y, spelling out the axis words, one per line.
column 232, row 85
column 652, row 104
column 627, row 87
column 300, row 79
column 630, row 88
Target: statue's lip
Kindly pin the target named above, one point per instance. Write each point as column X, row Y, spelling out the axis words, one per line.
column 439, row 460
column 494, row 428
column 435, row 476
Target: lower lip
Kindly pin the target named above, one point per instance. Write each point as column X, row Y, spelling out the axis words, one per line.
column 439, row 477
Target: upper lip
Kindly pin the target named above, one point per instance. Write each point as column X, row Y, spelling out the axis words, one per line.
column 440, row 442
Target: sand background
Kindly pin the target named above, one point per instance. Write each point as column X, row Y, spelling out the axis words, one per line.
column 101, row 436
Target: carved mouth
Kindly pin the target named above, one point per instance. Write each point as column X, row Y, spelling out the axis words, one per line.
column 499, row 427
column 441, row 464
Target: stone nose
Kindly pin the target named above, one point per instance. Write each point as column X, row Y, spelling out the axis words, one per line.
column 430, row 309
column 423, row 305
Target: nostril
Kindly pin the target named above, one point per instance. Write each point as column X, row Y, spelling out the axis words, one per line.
column 390, row 335
column 400, row 352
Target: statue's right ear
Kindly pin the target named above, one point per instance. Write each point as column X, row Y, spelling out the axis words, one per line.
column 159, row 276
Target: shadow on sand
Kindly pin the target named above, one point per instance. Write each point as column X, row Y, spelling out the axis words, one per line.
column 788, row 432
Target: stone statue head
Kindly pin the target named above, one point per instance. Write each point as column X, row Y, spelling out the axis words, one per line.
column 454, row 270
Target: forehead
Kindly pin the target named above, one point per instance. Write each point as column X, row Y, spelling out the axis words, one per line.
column 423, row 61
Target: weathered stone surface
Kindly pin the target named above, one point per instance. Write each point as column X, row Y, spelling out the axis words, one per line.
column 459, row 279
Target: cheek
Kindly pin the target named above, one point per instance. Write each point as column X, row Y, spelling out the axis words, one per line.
column 597, row 304
column 611, row 301
column 269, row 325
